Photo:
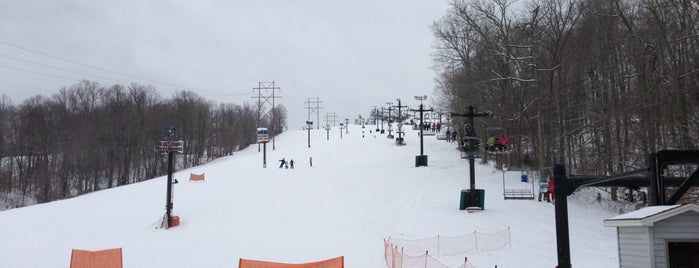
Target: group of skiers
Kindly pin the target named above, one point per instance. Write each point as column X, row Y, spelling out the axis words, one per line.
column 546, row 190
column 290, row 164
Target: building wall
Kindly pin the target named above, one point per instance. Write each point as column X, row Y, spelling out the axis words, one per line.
column 683, row 227
column 634, row 247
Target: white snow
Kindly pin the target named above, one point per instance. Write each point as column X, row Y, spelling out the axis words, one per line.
column 644, row 212
column 359, row 191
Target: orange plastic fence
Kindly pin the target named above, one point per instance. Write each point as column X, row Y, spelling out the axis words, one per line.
column 195, row 177
column 338, row 262
column 402, row 253
column 108, row 258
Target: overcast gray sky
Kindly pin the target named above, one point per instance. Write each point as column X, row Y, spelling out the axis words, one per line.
column 352, row 55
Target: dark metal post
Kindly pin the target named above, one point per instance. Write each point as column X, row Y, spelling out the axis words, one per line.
column 421, row 130
column 561, row 192
column 264, row 155
column 168, row 195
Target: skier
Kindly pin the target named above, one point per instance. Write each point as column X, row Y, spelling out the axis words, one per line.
column 282, row 163
column 543, row 190
column 550, row 194
column 291, row 163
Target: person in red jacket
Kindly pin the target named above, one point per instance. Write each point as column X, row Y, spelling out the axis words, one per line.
column 550, row 193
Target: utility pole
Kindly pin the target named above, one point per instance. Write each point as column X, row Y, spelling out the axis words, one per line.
column 328, row 116
column 472, row 200
column 313, row 106
column 266, row 98
column 421, row 160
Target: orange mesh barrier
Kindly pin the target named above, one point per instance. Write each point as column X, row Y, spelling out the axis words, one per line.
column 338, row 262
column 108, row 258
column 402, row 253
column 195, row 177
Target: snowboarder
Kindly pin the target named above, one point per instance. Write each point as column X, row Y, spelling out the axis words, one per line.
column 291, row 163
column 282, row 163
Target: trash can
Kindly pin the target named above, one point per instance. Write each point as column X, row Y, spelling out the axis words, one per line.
column 479, row 199
column 463, row 203
column 420, row 160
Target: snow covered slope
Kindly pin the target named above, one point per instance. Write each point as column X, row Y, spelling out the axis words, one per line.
column 361, row 189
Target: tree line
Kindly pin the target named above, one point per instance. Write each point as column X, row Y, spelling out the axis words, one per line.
column 592, row 84
column 88, row 137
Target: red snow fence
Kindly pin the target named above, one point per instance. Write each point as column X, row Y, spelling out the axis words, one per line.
column 338, row 262
column 195, row 177
column 108, row 258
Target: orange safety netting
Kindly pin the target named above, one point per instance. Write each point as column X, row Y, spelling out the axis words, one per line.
column 195, row 177
column 402, row 253
column 108, row 258
column 338, row 262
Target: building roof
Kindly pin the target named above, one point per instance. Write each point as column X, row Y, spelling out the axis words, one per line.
column 649, row 215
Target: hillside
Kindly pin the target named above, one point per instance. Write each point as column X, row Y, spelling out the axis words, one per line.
column 361, row 190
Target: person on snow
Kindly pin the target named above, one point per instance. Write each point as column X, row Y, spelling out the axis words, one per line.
column 291, row 163
column 282, row 163
column 550, row 192
column 543, row 190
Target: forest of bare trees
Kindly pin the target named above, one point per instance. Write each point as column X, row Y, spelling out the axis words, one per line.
column 88, row 137
column 592, row 84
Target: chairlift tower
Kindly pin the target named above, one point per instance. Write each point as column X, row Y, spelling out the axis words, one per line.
column 421, row 160
column 169, row 146
column 472, row 200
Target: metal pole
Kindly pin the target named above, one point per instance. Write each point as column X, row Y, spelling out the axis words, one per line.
column 264, row 155
column 421, row 129
column 561, row 209
column 168, row 197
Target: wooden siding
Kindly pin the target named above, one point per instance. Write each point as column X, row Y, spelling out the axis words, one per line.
column 634, row 247
column 682, row 227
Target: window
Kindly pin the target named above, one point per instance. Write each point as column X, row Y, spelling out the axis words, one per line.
column 683, row 254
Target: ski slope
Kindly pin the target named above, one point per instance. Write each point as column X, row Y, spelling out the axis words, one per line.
column 361, row 190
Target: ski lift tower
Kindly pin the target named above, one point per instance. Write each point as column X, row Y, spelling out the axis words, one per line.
column 468, row 197
column 169, row 146
column 421, row 160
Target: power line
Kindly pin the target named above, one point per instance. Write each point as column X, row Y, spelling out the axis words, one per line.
column 174, row 86
column 62, row 69
column 39, row 73
column 100, row 68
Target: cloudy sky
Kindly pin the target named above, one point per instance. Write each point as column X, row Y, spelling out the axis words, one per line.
column 351, row 55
